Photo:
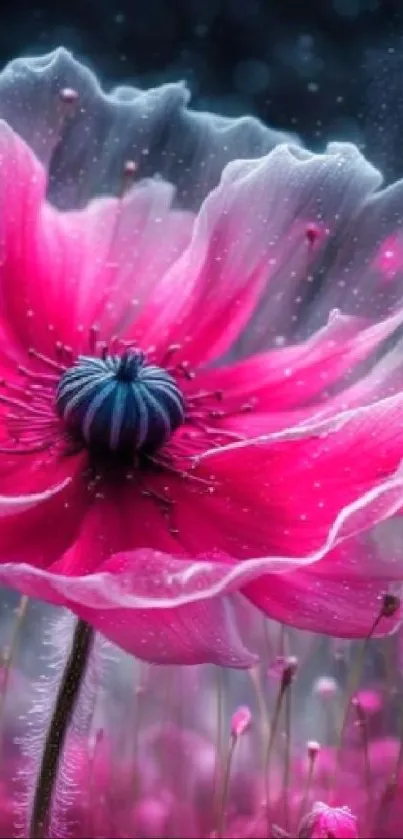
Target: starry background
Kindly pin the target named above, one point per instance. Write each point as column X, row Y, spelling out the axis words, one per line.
column 324, row 68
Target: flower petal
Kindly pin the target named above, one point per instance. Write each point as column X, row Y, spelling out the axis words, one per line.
column 62, row 273
column 285, row 379
column 250, row 254
column 24, row 248
column 341, row 595
column 13, row 505
column 205, row 631
column 292, row 485
column 195, row 633
column 150, row 581
column 25, row 535
column 365, row 272
column 122, row 249
column 383, row 378
column 198, row 633
column 85, row 146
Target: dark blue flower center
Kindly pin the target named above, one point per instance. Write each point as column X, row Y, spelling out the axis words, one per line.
column 120, row 403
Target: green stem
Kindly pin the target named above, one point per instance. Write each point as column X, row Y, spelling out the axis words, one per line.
column 66, row 699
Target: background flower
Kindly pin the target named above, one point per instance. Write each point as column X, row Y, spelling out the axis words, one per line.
column 149, row 745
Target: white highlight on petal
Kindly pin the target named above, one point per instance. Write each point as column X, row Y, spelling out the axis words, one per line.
column 14, row 504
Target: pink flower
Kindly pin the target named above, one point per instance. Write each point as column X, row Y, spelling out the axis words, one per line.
column 324, row 822
column 154, row 750
column 177, row 434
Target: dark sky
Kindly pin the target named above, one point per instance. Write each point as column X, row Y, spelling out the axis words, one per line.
column 325, row 68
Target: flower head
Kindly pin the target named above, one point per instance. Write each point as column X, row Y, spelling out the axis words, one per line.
column 324, row 822
column 191, row 416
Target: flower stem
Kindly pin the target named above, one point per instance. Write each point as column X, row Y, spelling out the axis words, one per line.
column 256, row 679
column 7, row 658
column 389, row 606
column 225, row 786
column 218, row 764
column 66, row 699
column 286, row 679
column 287, row 757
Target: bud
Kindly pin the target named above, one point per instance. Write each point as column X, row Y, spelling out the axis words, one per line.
column 289, row 671
column 324, row 822
column 390, row 605
column 370, row 701
column 313, row 749
column 241, row 721
column 325, row 687
column 69, row 96
column 130, row 167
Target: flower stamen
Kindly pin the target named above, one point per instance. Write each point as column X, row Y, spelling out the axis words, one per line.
column 119, row 403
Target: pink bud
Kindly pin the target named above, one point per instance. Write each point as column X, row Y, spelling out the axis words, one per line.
column 69, row 95
column 324, row 822
column 241, row 721
column 130, row 167
column 313, row 749
column 151, row 817
column 370, row 701
column 325, row 686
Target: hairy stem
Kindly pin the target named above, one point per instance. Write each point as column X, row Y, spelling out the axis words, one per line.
column 66, row 699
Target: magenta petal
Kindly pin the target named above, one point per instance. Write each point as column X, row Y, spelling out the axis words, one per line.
column 311, row 524
column 324, row 821
column 200, row 632
column 250, row 248
column 298, row 482
column 121, row 257
column 37, row 527
column 63, row 273
column 11, row 505
column 31, row 259
column 341, row 595
column 207, row 630
column 383, row 379
column 187, row 600
column 284, row 379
